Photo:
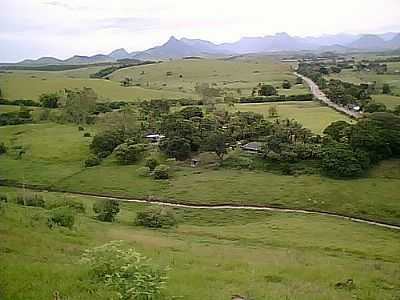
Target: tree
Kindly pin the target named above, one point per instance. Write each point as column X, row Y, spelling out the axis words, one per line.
column 127, row 153
column 104, row 143
column 49, row 100
column 336, row 130
column 375, row 107
column 3, row 148
column 338, row 159
column 79, row 104
column 272, row 111
column 152, row 163
column 286, row 84
column 106, row 210
column 161, row 172
column 267, row 90
column 178, row 148
column 191, row 112
column 216, row 143
column 61, row 216
column 386, row 89
column 156, row 217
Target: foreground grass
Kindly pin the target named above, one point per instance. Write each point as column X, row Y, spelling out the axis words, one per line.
column 212, row 255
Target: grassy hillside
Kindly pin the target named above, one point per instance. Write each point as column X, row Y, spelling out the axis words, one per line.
column 21, row 85
column 212, row 255
column 311, row 114
column 243, row 73
column 55, row 154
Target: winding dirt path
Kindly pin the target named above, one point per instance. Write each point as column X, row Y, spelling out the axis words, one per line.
column 174, row 203
column 315, row 90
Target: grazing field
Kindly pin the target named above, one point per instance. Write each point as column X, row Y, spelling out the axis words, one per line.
column 367, row 77
column 390, row 101
column 311, row 114
column 30, row 85
column 54, row 156
column 242, row 73
column 211, row 255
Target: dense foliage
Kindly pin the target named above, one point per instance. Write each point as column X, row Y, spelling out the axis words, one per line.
column 156, row 217
column 128, row 273
column 106, row 210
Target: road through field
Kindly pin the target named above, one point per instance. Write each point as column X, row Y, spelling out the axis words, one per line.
column 315, row 90
column 171, row 203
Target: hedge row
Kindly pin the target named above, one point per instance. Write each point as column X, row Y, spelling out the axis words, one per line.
column 262, row 99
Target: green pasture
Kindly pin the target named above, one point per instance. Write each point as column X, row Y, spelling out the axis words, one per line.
column 211, row 254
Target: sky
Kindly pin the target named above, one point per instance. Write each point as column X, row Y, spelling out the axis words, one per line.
column 62, row 28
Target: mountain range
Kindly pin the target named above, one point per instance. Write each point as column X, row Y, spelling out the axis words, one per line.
column 281, row 42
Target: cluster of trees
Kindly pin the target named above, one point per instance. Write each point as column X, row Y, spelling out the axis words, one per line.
column 350, row 149
column 277, row 98
column 22, row 116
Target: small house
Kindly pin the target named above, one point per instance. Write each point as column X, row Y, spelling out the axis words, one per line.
column 253, row 147
column 154, row 138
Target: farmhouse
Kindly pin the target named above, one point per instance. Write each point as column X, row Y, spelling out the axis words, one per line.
column 253, row 147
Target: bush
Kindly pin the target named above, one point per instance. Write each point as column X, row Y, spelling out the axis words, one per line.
column 144, row 171
column 35, row 200
column 156, row 217
column 286, row 84
column 3, row 198
column 152, row 163
column 87, row 134
column 161, row 172
column 3, row 148
column 75, row 205
column 106, row 210
column 92, row 161
column 127, row 272
column 127, row 154
column 61, row 216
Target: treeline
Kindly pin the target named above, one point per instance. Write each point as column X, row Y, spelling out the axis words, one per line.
column 261, row 99
column 130, row 63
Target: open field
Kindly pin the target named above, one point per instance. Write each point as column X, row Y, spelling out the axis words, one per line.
column 311, row 114
column 366, row 77
column 55, row 154
column 21, row 85
column 230, row 75
column 390, row 101
column 212, row 255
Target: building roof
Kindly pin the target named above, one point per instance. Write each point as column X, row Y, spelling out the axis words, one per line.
column 252, row 146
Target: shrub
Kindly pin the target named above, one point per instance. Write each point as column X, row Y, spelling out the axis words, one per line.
column 3, row 198
column 87, row 134
column 127, row 154
column 144, row 171
column 75, row 205
column 156, row 217
column 80, row 128
column 286, row 84
column 35, row 200
column 152, row 163
column 126, row 271
column 161, row 172
column 106, row 210
column 92, row 161
column 3, row 148
column 61, row 216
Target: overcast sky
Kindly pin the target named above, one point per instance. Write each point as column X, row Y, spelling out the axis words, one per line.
column 62, row 28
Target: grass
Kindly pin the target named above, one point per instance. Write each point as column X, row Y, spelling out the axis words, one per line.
column 390, row 101
column 24, row 85
column 311, row 114
column 212, row 255
column 368, row 77
column 55, row 154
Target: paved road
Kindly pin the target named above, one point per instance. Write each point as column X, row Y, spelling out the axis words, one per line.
column 315, row 90
column 171, row 203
